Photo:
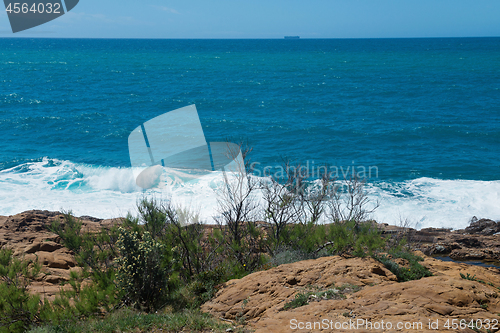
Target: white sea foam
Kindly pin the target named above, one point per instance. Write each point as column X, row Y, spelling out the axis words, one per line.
column 428, row 202
column 108, row 192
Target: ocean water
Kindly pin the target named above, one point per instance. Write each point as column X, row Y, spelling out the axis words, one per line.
column 422, row 114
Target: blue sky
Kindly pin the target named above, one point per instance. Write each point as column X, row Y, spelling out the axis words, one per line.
column 270, row 19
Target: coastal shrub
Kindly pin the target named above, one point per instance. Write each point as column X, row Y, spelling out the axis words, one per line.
column 204, row 258
column 347, row 201
column 238, row 237
column 69, row 230
column 143, row 269
column 196, row 252
column 205, row 284
column 368, row 240
column 293, row 206
column 347, row 206
column 84, row 299
column 415, row 271
column 307, row 237
column 358, row 239
column 153, row 216
column 19, row 310
column 93, row 290
column 286, row 255
column 312, row 241
column 94, row 251
column 280, row 209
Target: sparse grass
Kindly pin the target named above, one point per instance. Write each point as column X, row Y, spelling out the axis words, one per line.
column 318, row 294
column 127, row 320
column 349, row 288
column 473, row 278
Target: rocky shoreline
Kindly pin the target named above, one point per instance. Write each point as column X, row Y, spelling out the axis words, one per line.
column 479, row 241
column 456, row 290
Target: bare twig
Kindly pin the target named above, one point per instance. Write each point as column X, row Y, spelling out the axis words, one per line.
column 323, row 246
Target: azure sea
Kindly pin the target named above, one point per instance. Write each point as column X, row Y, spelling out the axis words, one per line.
column 423, row 115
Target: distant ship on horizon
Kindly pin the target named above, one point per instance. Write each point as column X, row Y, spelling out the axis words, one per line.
column 292, row 37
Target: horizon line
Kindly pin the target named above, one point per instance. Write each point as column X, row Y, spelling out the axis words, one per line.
column 248, row 38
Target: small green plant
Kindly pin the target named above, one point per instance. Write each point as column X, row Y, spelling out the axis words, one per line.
column 300, row 299
column 240, row 317
column 317, row 294
column 328, row 294
column 468, row 277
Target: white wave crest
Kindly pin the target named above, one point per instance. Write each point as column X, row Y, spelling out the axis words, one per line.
column 108, row 192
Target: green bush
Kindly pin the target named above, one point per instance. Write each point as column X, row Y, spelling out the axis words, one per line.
column 368, row 240
column 153, row 215
column 306, row 237
column 144, row 269
column 84, row 299
column 358, row 239
column 415, row 271
column 468, row 277
column 240, row 247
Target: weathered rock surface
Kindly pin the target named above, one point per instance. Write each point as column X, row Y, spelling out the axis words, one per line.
column 259, row 297
column 26, row 234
